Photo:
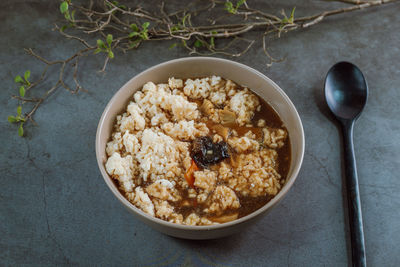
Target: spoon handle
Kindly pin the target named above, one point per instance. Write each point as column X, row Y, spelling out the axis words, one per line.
column 353, row 198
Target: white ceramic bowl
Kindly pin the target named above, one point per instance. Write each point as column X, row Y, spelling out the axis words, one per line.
column 200, row 67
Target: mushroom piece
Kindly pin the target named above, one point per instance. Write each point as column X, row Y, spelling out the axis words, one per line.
column 227, row 117
column 204, row 152
column 221, row 130
column 207, row 107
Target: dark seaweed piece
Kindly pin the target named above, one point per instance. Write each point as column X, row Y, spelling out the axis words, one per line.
column 204, row 152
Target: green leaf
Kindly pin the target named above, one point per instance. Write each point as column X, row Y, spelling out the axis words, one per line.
column 27, row 74
column 291, row 18
column 109, row 39
column 64, row 27
column 64, row 7
column 184, row 20
column 21, row 130
column 132, row 34
column 134, row 27
column 239, row 3
column 144, row 35
column 212, row 39
column 173, row 46
column 22, row 91
column 229, row 7
column 11, row 119
column 110, row 54
column 212, row 43
column 174, row 28
column 115, row 3
column 135, row 43
column 18, row 79
column 73, row 14
column 97, row 50
column 145, row 25
column 19, row 110
column 198, row 43
column 67, row 16
column 101, row 44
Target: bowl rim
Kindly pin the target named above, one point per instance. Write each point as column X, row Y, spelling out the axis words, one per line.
column 155, row 220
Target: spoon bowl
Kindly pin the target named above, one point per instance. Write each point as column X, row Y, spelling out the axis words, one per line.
column 346, row 90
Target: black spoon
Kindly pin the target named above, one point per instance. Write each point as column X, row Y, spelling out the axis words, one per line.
column 346, row 94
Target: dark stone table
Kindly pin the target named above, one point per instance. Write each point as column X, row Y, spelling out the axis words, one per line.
column 57, row 210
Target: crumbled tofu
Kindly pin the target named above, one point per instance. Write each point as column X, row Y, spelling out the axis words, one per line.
column 261, row 123
column 194, row 219
column 131, row 143
column 274, row 138
column 244, row 105
column 143, row 201
column 133, row 120
column 132, row 123
column 163, row 209
column 167, row 212
column 202, row 197
column 192, row 193
column 243, row 144
column 181, row 108
column 158, row 156
column 115, row 145
column 175, row 83
column 230, row 87
column 159, row 119
column 120, row 169
column 216, row 82
column 222, row 199
column 218, row 98
column 217, row 138
column 205, row 179
column 164, row 190
column 154, row 99
column 254, row 174
column 185, row 130
column 198, row 88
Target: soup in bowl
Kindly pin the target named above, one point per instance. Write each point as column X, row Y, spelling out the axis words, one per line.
column 199, row 147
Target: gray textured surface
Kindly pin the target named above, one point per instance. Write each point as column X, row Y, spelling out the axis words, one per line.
column 56, row 209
